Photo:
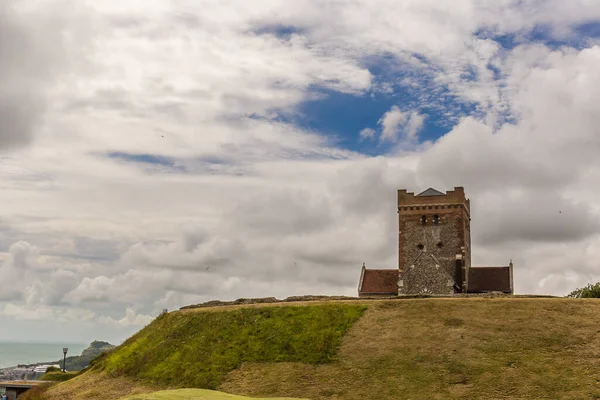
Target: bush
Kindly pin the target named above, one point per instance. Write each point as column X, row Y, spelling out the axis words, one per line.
column 590, row 291
column 52, row 369
column 58, row 376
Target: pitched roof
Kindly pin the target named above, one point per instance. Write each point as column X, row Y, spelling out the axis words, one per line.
column 431, row 192
column 379, row 281
column 489, row 279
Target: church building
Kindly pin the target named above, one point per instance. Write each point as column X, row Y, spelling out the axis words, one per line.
column 434, row 251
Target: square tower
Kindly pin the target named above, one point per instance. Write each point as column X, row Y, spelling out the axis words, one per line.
column 434, row 236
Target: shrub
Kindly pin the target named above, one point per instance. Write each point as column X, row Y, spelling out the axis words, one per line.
column 58, row 376
column 590, row 291
column 52, row 369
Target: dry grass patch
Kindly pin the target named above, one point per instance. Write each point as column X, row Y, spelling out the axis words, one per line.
column 194, row 394
column 96, row 386
column 449, row 349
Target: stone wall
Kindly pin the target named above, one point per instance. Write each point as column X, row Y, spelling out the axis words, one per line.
column 444, row 233
column 425, row 276
column 443, row 240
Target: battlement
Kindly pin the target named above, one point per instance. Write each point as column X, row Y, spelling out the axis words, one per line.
column 431, row 198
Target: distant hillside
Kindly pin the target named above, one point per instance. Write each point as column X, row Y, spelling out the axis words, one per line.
column 464, row 348
column 76, row 363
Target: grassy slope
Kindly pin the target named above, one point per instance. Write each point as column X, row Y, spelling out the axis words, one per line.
column 409, row 349
column 58, row 376
column 194, row 394
column 91, row 386
column 200, row 349
column 450, row 349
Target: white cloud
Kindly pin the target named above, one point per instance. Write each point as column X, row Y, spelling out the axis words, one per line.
column 367, row 133
column 267, row 207
column 392, row 122
column 16, row 270
column 131, row 318
column 45, row 313
column 398, row 125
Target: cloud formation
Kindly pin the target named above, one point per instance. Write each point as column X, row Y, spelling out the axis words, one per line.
column 152, row 155
column 400, row 125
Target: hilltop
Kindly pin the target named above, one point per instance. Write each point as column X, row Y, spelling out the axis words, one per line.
column 433, row 348
column 76, row 363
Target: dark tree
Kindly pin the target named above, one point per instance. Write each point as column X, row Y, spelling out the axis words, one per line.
column 590, row 291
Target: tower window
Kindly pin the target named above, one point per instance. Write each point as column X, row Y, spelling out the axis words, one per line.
column 436, row 219
column 423, row 220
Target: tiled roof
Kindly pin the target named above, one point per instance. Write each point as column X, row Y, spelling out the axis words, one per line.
column 431, row 192
column 380, row 281
column 489, row 279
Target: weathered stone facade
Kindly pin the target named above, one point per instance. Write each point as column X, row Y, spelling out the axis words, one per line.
column 426, row 276
column 439, row 225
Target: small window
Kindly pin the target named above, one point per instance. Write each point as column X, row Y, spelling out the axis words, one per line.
column 420, row 246
column 423, row 220
column 436, row 219
column 440, row 245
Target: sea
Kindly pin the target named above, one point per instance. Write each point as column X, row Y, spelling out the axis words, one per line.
column 14, row 353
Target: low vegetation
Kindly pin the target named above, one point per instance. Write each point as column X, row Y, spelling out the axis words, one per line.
column 58, row 376
column 588, row 292
column 35, row 393
column 194, row 394
column 473, row 348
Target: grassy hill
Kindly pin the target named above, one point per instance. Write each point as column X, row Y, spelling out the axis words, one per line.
column 475, row 348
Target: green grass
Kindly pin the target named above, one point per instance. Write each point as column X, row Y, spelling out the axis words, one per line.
column 58, row 376
column 195, row 394
column 198, row 349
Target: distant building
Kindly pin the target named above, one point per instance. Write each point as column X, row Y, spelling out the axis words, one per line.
column 41, row 369
column 434, row 251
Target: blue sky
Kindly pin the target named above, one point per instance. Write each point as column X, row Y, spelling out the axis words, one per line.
column 342, row 116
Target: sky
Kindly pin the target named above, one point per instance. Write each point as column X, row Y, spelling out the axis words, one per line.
column 160, row 153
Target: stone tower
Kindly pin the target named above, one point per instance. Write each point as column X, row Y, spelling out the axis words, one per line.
column 434, row 242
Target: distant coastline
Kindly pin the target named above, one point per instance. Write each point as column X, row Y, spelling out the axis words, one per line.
column 13, row 354
column 76, row 361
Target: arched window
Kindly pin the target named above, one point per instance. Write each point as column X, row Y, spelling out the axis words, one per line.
column 420, row 246
column 423, row 220
column 436, row 219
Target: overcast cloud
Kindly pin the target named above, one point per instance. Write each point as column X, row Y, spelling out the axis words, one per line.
column 151, row 154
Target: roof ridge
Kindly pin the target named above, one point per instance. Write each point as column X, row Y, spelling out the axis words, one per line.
column 431, row 192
